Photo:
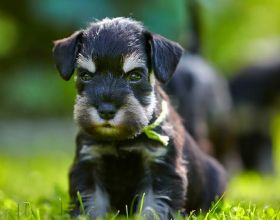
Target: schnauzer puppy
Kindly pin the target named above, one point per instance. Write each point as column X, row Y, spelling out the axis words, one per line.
column 131, row 141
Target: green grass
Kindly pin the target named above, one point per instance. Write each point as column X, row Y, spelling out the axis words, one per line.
column 34, row 186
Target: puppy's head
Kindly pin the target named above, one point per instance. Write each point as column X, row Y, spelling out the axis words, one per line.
column 117, row 62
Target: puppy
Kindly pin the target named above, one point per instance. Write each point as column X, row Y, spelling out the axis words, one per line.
column 131, row 141
column 201, row 97
column 255, row 91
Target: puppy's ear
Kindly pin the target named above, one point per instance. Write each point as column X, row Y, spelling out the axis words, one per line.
column 165, row 55
column 65, row 52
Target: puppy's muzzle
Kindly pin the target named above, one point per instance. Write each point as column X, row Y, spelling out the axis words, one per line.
column 107, row 111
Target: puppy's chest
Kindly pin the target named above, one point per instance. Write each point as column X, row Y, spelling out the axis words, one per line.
column 122, row 170
column 121, row 177
column 144, row 152
column 119, row 171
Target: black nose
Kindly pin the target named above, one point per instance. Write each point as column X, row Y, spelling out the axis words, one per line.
column 107, row 111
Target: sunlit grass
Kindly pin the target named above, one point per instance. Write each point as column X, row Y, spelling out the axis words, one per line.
column 29, row 186
column 35, row 186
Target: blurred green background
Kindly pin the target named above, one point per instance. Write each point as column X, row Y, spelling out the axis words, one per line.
column 36, row 128
column 233, row 34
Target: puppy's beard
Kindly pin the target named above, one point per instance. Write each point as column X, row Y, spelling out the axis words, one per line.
column 149, row 110
column 106, row 128
column 94, row 117
column 128, row 122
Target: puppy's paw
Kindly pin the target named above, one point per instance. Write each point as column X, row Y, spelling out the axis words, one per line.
column 151, row 214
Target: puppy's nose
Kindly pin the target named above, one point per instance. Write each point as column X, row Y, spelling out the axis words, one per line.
column 107, row 111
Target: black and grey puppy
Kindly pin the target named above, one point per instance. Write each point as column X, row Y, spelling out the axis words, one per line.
column 131, row 141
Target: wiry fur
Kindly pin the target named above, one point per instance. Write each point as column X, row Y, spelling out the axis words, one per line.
column 115, row 161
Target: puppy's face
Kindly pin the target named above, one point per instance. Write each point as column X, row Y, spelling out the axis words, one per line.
column 115, row 60
column 115, row 89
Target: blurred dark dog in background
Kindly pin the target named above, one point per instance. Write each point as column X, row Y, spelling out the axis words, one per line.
column 201, row 96
column 228, row 118
column 255, row 91
column 203, row 100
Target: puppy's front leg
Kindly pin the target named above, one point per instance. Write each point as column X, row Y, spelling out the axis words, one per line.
column 94, row 198
column 155, row 206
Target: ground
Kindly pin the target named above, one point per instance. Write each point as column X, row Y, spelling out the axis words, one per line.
column 35, row 157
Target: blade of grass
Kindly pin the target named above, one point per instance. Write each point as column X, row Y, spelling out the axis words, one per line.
column 81, row 203
column 190, row 215
column 213, row 209
column 18, row 211
column 38, row 214
column 61, row 207
column 132, row 204
column 141, row 204
column 118, row 212
column 26, row 205
column 126, row 211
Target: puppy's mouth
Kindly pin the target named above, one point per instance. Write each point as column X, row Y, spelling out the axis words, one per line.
column 125, row 125
column 107, row 125
column 109, row 132
column 107, row 128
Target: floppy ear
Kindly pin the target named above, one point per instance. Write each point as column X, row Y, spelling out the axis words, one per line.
column 165, row 55
column 65, row 52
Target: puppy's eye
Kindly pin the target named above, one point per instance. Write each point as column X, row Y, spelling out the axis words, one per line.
column 134, row 75
column 86, row 76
